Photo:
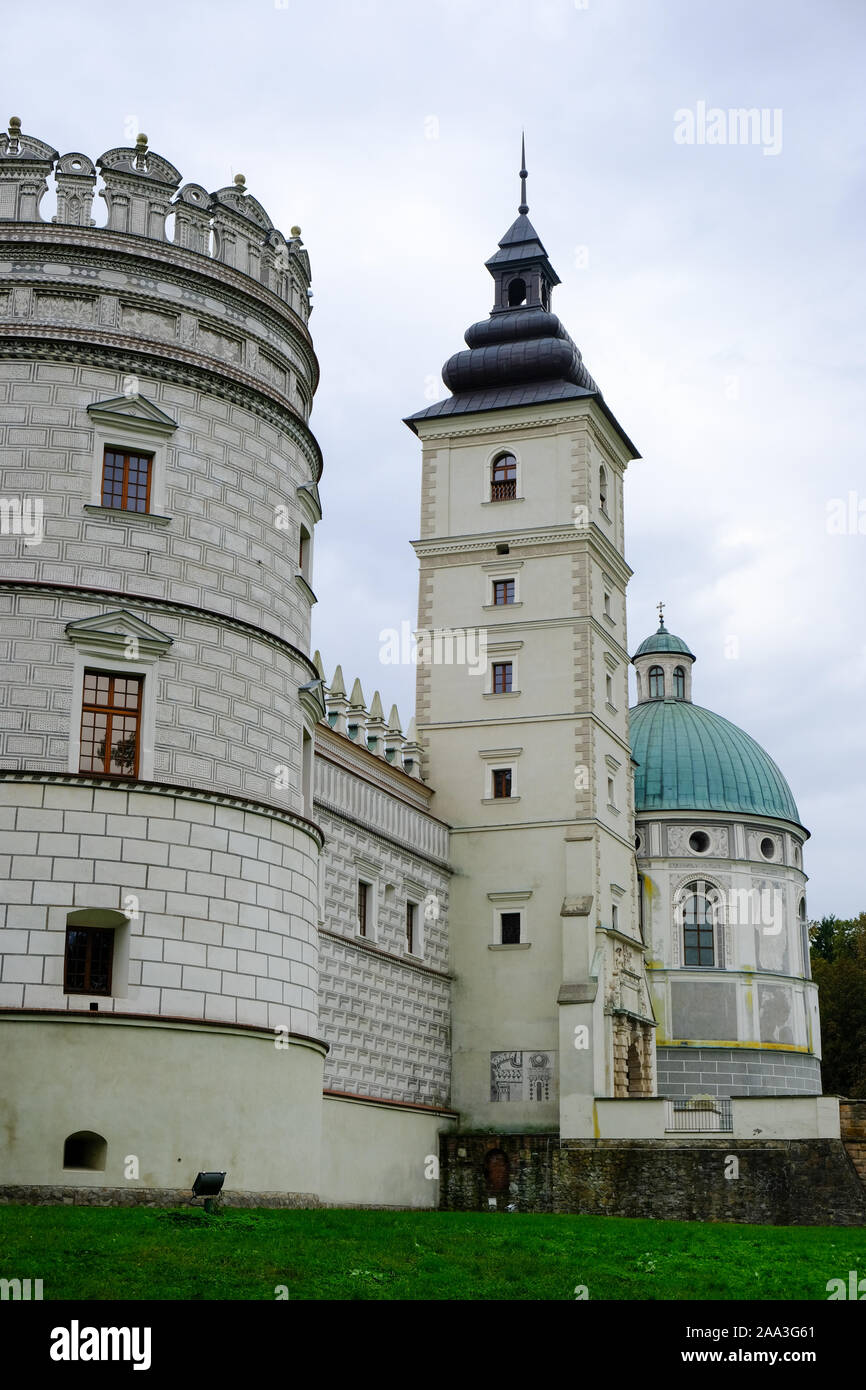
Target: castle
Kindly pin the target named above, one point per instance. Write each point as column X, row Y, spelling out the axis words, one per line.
column 253, row 925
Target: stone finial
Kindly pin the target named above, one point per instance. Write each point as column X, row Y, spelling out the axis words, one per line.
column 138, row 189
column 336, row 703
column 357, row 713
column 317, row 662
column 412, row 751
column 295, row 231
column 394, row 739
column 376, row 726
column 25, row 163
column 240, row 183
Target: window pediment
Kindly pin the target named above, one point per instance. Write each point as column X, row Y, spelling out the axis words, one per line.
column 113, row 632
column 133, row 413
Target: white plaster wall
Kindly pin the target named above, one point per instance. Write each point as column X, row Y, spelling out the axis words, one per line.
column 380, row 1154
column 179, row 1098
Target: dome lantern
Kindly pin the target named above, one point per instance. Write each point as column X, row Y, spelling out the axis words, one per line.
column 663, row 663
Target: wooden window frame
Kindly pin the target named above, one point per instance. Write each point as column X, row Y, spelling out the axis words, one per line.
column 126, row 456
column 88, row 987
column 506, row 776
column 503, row 478
column 507, row 668
column 508, row 588
column 91, row 707
column 656, row 677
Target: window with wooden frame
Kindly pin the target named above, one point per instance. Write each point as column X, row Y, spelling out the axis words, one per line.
column 502, row 673
column 110, row 724
column 503, row 591
column 411, row 927
column 363, row 906
column 126, row 480
column 503, row 483
column 501, row 782
column 88, row 959
column 656, row 683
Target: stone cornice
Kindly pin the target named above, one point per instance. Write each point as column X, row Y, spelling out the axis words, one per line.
column 524, row 541
column 165, row 605
column 387, row 777
column 165, row 1021
column 173, row 790
column 370, row 948
column 167, row 261
column 391, row 1104
column 24, row 341
column 439, row 430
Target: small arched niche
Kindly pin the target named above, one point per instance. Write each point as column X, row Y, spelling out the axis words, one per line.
column 85, row 1150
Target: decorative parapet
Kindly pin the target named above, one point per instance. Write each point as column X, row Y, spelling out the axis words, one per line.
column 141, row 191
column 367, row 728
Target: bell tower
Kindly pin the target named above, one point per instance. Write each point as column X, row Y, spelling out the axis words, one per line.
column 522, row 709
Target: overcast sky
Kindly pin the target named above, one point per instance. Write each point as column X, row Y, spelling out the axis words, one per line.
column 715, row 290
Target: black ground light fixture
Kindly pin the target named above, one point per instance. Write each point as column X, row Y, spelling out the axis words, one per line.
column 209, row 1186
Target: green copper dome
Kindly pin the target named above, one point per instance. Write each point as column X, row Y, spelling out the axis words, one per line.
column 690, row 759
column 663, row 641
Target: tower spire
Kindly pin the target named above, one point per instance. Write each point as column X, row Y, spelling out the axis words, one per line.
column 524, row 206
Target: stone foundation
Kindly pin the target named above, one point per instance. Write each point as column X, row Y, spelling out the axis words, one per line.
column 782, row 1182
column 146, row 1197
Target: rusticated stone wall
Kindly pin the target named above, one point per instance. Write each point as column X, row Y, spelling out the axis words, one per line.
column 797, row 1182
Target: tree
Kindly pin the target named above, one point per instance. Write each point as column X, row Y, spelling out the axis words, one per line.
column 839, row 970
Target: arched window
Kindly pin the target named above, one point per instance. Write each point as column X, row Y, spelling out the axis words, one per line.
column 656, row 683
column 602, row 487
column 504, row 478
column 517, row 292
column 699, row 912
column 679, row 683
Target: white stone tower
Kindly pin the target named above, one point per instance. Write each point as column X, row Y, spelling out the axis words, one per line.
column 159, row 878
column 522, row 711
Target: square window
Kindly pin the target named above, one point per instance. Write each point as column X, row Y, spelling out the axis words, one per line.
column 509, row 925
column 88, row 960
column 126, row 480
column 503, row 591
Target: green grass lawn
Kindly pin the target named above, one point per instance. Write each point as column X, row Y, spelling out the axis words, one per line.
column 139, row 1253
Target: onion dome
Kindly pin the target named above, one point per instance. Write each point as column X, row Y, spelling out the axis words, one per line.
column 521, row 354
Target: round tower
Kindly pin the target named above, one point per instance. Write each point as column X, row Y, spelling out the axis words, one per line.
column 723, row 894
column 159, row 985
